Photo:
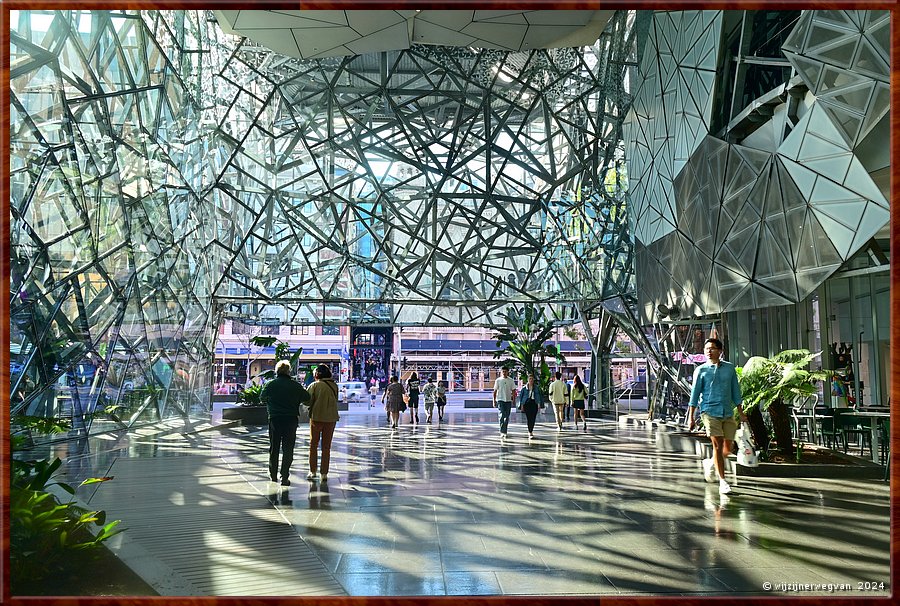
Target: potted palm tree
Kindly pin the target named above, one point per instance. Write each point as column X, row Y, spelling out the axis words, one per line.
column 526, row 335
column 250, row 409
column 769, row 385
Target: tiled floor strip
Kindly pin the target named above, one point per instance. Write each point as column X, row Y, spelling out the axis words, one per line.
column 213, row 528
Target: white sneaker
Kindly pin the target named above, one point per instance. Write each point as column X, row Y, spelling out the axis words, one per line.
column 724, row 488
column 709, row 470
column 324, row 477
column 311, row 476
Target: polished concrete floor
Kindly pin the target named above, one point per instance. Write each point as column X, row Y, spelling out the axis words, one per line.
column 450, row 509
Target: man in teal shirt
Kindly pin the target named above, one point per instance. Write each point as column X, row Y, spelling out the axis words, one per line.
column 718, row 393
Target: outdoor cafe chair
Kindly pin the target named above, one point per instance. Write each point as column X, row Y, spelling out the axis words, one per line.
column 847, row 425
column 803, row 417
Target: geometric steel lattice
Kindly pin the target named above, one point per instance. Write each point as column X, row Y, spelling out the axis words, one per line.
column 164, row 173
column 425, row 186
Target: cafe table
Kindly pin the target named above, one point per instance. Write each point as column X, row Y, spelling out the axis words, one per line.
column 870, row 417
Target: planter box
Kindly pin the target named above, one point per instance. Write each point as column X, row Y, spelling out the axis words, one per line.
column 855, row 468
column 254, row 415
column 699, row 445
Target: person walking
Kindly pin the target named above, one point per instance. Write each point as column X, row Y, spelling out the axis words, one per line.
column 558, row 399
column 441, row 399
column 393, row 400
column 504, row 394
column 412, row 388
column 323, row 416
column 283, row 397
column 579, row 395
column 373, row 393
column 429, row 394
column 530, row 398
column 717, row 393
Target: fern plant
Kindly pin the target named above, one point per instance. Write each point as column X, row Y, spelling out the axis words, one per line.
column 772, row 383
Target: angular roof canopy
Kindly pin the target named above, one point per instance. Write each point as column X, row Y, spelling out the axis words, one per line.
column 310, row 34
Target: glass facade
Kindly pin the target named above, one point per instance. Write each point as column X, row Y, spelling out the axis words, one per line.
column 166, row 175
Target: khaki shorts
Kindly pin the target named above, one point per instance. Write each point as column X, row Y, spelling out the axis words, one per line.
column 719, row 426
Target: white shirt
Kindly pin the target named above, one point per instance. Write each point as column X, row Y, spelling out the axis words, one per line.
column 558, row 392
column 503, row 389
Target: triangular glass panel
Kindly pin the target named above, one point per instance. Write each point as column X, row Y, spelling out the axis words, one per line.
column 775, row 235
column 763, row 297
column 857, row 18
column 858, row 180
column 873, row 219
column 841, row 236
column 821, row 126
column 831, row 43
column 836, row 165
column 879, row 35
column 796, row 182
column 790, row 147
column 870, row 62
column 810, row 279
column 796, row 40
column 799, row 226
column 852, row 98
column 810, row 70
column 878, row 108
column 734, row 295
column 838, row 18
column 848, row 123
column 757, row 160
column 784, row 285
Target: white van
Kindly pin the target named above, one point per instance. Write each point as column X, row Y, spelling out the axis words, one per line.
column 352, row 391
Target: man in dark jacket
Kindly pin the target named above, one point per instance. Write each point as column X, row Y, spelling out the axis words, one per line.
column 283, row 397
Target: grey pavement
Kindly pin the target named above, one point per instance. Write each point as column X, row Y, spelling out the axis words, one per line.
column 449, row 509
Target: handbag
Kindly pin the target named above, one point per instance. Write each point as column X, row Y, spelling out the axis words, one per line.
column 747, row 455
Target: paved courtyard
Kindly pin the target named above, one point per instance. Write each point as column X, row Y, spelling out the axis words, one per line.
column 450, row 510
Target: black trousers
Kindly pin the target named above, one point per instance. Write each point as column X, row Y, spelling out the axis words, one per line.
column 282, row 437
column 531, row 411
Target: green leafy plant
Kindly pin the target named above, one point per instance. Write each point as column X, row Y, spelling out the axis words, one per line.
column 770, row 384
column 45, row 533
column 282, row 352
column 526, row 334
column 250, row 396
